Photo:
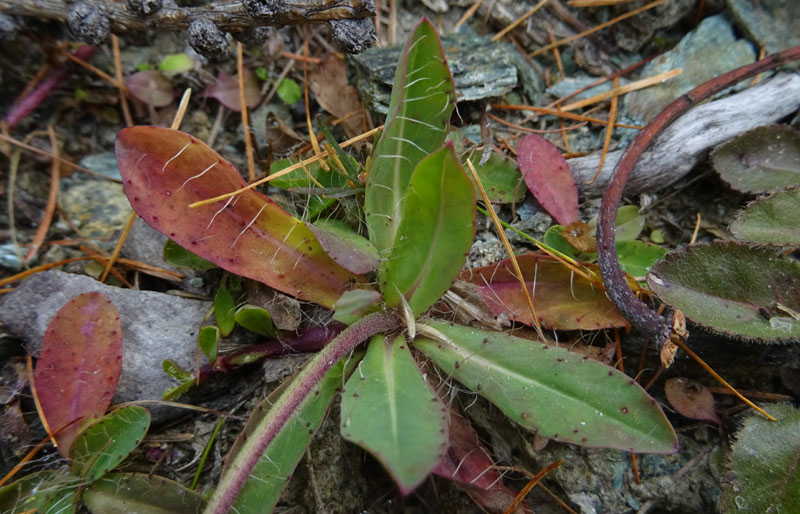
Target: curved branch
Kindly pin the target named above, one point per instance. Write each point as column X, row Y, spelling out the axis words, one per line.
column 634, row 310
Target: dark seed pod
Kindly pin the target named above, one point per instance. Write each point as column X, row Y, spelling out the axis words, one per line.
column 144, row 7
column 262, row 10
column 88, row 24
column 253, row 36
column 353, row 36
column 8, row 27
column 206, row 38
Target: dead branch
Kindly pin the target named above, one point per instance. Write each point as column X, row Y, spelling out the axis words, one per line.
column 680, row 147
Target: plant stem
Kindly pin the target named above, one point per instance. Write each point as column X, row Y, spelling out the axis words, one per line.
column 634, row 310
column 244, row 462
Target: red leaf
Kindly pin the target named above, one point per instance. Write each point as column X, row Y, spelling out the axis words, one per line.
column 548, row 177
column 165, row 170
column 79, row 365
column 226, row 90
column 470, row 466
column 562, row 299
column 151, row 87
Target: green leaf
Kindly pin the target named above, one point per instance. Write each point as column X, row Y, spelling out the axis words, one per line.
column 224, row 309
column 289, row 91
column 45, row 492
column 629, row 223
column 423, row 97
column 434, row 235
column 562, row 395
column 208, row 341
column 761, row 160
column 730, row 288
column 172, row 369
column 255, row 319
column 126, row 493
column 178, row 256
column 262, row 73
column 354, row 305
column 636, row 257
column 389, row 409
column 554, row 239
column 764, row 472
column 774, row 219
column 107, row 442
column 501, row 179
column 263, row 488
column 176, row 63
column 345, row 246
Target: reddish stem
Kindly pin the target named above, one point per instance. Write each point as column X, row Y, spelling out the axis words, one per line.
column 20, row 111
column 617, row 288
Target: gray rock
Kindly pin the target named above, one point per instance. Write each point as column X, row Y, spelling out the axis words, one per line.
column 104, row 163
column 480, row 68
column 98, row 207
column 11, row 256
column 155, row 327
column 709, row 50
column 565, row 87
column 771, row 22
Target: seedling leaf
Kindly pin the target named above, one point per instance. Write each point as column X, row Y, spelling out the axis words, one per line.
column 765, row 476
column 255, row 319
column 208, row 341
column 774, row 219
column 548, row 177
column 289, row 91
column 636, row 257
column 165, row 170
column 562, row 299
column 124, row 493
column 389, row 409
column 108, row 441
column 224, row 309
column 561, row 395
column 435, row 234
column 501, row 179
column 79, row 365
column 730, row 288
column 761, row 160
column 423, row 97
column 178, row 256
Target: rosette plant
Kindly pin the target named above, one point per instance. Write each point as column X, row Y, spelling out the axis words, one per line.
column 419, row 206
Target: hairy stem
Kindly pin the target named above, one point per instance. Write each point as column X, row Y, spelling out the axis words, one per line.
column 285, row 407
column 634, row 310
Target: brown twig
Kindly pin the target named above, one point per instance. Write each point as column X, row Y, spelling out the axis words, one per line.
column 230, row 16
column 617, row 288
column 55, row 175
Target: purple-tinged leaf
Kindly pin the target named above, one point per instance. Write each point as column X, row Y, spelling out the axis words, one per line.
column 226, row 90
column 165, row 170
column 353, row 252
column 79, row 365
column 151, row 87
column 470, row 466
column 548, row 177
column 562, row 299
